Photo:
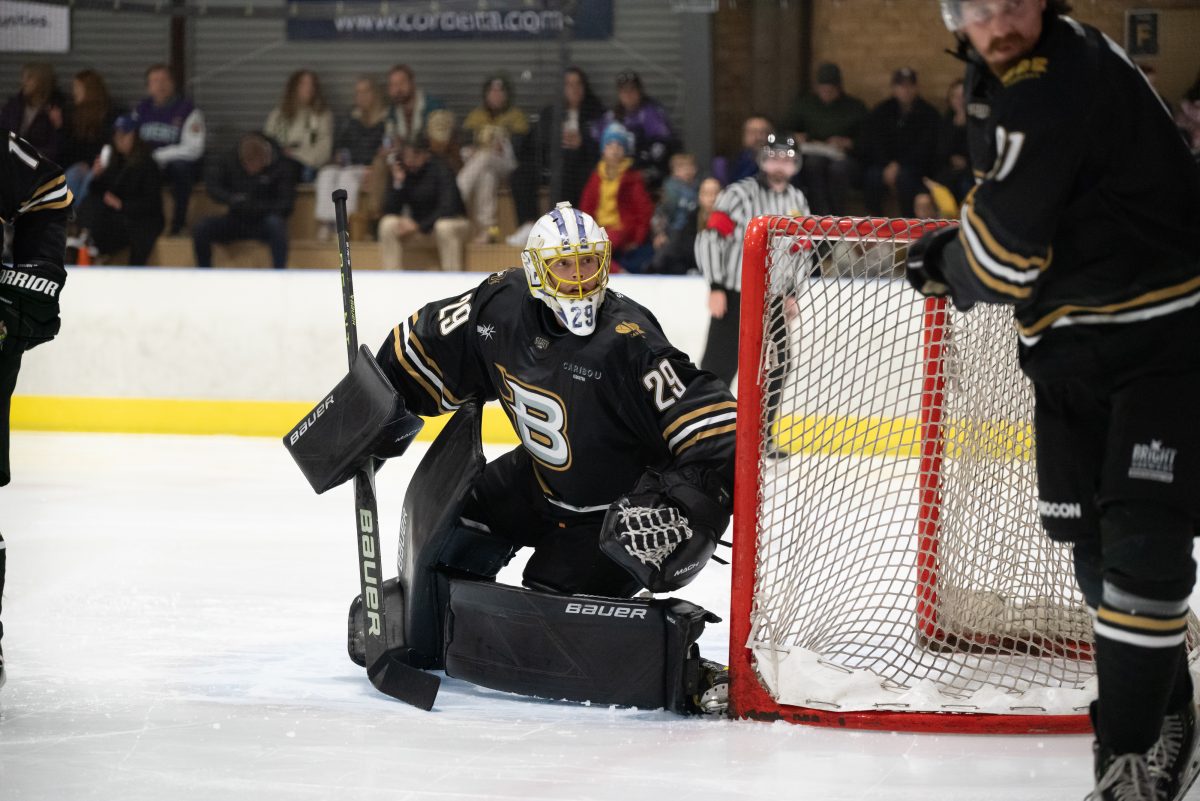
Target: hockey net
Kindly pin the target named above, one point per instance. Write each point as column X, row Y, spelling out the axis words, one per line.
column 890, row 570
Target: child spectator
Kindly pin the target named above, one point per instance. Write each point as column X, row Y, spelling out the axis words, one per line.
column 89, row 127
column 422, row 201
column 174, row 129
column 358, row 141
column 124, row 207
column 494, row 125
column 616, row 197
column 302, row 125
column 647, row 120
column 256, row 185
column 35, row 112
column 676, row 213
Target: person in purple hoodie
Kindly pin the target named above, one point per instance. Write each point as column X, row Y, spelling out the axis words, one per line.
column 647, row 120
column 174, row 129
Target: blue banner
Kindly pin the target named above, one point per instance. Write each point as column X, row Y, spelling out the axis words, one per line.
column 500, row 19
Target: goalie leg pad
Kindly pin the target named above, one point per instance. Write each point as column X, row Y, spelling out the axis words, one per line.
column 392, row 603
column 580, row 648
column 361, row 418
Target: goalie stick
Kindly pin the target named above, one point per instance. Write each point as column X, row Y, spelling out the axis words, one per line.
column 385, row 668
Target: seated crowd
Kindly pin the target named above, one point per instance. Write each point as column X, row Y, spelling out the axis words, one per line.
column 418, row 176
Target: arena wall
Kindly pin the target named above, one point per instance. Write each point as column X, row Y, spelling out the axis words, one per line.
column 245, row 351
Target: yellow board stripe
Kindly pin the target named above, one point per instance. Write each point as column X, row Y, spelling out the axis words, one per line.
column 812, row 434
column 1140, row 622
column 169, row 416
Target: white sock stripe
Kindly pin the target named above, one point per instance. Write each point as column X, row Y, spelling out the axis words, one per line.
column 1123, row 601
column 1140, row 640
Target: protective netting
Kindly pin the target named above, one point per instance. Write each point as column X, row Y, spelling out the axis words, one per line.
column 900, row 560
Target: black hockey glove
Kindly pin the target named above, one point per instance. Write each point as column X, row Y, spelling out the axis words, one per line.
column 29, row 303
column 923, row 266
column 665, row 531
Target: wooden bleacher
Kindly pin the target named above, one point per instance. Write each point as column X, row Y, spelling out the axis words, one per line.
column 307, row 251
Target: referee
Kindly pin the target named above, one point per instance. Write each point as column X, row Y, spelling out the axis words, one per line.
column 719, row 247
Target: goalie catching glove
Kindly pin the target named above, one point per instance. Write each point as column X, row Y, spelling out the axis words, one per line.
column 667, row 528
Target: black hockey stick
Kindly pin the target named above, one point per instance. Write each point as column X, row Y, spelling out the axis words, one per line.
column 390, row 675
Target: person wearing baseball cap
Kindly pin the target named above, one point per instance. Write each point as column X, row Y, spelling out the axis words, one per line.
column 827, row 123
column 899, row 145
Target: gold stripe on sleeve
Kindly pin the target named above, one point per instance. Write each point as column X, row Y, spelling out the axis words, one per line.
column 692, row 415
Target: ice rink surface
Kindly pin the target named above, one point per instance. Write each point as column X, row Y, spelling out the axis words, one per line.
column 175, row 630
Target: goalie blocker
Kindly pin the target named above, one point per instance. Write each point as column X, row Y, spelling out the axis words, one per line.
column 362, row 417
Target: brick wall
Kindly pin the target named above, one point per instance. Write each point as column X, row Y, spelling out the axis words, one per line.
column 870, row 38
column 759, row 46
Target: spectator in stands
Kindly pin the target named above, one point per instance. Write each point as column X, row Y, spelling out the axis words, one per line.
column 828, row 124
column 497, row 127
column 35, row 112
column 124, row 208
column 647, row 120
column 408, row 113
column 89, row 128
column 578, row 153
column 359, row 140
column 422, row 202
column 174, row 129
column 899, row 143
column 952, row 168
column 755, row 131
column 674, row 216
column 257, row 186
column 442, row 129
column 409, row 106
column 616, row 197
column 302, row 125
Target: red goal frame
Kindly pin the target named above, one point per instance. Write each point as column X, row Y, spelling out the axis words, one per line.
column 748, row 697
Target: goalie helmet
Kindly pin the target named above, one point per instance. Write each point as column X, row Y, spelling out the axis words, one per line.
column 566, row 260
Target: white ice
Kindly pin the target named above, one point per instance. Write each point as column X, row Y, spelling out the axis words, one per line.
column 175, row 630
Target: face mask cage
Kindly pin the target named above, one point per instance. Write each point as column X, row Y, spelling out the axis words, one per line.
column 957, row 14
column 571, row 278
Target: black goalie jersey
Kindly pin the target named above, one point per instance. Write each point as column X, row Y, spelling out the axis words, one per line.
column 593, row 412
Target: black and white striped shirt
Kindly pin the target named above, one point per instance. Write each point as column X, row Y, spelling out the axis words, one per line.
column 719, row 247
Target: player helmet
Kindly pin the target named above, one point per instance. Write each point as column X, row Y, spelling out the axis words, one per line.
column 777, row 147
column 958, row 13
column 566, row 261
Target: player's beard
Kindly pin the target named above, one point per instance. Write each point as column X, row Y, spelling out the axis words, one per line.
column 1001, row 53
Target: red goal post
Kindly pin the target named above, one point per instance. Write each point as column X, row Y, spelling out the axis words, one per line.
column 889, row 569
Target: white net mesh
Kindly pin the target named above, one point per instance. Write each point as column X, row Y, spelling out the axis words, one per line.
column 651, row 533
column 900, row 560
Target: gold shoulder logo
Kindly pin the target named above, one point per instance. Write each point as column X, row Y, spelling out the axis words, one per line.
column 632, row 329
column 1024, row 69
column 496, row 278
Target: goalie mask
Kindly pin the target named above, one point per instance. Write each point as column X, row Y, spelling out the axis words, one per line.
column 566, row 261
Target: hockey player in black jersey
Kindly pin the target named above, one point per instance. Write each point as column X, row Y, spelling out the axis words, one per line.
column 34, row 202
column 1085, row 219
column 622, row 482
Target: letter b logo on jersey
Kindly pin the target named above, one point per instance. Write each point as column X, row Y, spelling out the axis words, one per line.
column 540, row 421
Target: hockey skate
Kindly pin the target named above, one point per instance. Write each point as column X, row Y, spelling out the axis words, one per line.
column 713, row 696
column 1175, row 758
column 1123, row 778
